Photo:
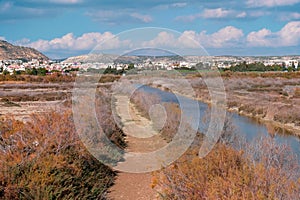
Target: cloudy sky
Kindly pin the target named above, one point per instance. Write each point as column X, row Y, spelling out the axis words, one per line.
column 62, row 28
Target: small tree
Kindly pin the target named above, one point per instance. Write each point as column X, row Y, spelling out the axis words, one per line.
column 293, row 66
column 5, row 72
column 290, row 69
column 42, row 71
column 283, row 65
column 34, row 71
column 16, row 72
column 130, row 66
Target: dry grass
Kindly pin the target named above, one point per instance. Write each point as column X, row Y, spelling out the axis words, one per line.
column 264, row 171
column 44, row 158
column 269, row 96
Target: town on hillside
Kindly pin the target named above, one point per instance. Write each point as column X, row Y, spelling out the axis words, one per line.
column 235, row 63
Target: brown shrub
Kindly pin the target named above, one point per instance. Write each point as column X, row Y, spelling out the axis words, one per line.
column 44, row 159
column 109, row 78
column 144, row 101
column 297, row 92
column 106, row 119
column 172, row 123
column 288, row 114
column 232, row 104
column 230, row 174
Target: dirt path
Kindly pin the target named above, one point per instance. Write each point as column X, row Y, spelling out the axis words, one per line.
column 141, row 137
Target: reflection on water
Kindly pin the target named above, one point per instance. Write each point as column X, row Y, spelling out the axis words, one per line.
column 245, row 126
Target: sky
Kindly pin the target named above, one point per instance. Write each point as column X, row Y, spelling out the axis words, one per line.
column 63, row 28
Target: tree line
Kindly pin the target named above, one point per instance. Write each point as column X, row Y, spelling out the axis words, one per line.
column 261, row 67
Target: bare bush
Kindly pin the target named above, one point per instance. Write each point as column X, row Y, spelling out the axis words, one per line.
column 267, row 172
column 106, row 118
column 44, row 159
column 144, row 101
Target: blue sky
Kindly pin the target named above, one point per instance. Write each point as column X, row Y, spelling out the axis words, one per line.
column 62, row 28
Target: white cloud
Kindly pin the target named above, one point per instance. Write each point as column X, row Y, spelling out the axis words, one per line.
column 172, row 5
column 241, row 15
column 163, row 39
column 218, row 13
column 2, row 38
column 260, row 38
column 222, row 13
column 215, row 13
column 225, row 37
column 270, row 3
column 87, row 41
column 289, row 35
column 143, row 18
column 290, row 16
column 189, row 39
column 22, row 41
column 183, row 43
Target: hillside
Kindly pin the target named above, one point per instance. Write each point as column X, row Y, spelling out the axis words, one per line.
column 93, row 58
column 110, row 58
column 12, row 52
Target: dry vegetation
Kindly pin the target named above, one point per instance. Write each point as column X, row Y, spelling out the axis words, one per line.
column 23, row 95
column 43, row 157
column 22, row 99
column 56, row 77
column 234, row 169
column 268, row 96
column 230, row 174
column 144, row 101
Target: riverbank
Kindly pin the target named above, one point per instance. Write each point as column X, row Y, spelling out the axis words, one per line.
column 263, row 118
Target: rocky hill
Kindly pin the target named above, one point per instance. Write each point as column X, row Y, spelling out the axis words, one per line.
column 12, row 52
column 109, row 58
column 93, row 58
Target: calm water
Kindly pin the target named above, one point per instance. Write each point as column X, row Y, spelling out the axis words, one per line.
column 245, row 126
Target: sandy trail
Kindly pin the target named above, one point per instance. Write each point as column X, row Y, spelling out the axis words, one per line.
column 141, row 137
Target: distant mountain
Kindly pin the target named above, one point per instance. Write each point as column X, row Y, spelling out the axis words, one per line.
column 101, row 58
column 92, row 58
column 12, row 52
column 109, row 58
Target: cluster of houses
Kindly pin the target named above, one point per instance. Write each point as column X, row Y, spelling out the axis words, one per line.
column 288, row 61
column 12, row 66
column 53, row 66
column 166, row 64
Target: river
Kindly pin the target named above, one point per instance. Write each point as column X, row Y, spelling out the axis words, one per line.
column 245, row 126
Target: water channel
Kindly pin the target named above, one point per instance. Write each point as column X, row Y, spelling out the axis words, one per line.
column 248, row 127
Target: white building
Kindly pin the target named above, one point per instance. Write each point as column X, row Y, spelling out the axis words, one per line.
column 289, row 63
